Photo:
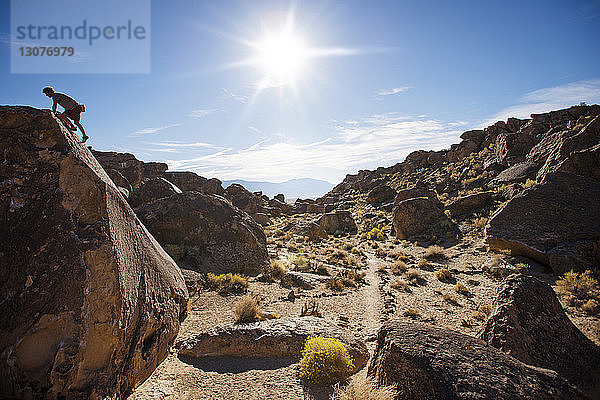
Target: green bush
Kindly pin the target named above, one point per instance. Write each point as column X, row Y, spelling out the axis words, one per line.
column 324, row 361
column 227, row 283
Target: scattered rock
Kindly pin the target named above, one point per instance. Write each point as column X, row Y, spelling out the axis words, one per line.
column 151, row 190
column 584, row 162
column 511, row 148
column 517, row 173
column 262, row 219
column 312, row 230
column 270, row 339
column 338, row 222
column 189, row 181
column 413, row 193
column 556, row 223
column 530, row 324
column 90, row 301
column 193, row 280
column 242, row 198
column 468, row 205
column 280, row 197
column 206, row 233
column 417, row 216
column 305, row 280
column 126, row 164
column 381, row 194
column 427, row 362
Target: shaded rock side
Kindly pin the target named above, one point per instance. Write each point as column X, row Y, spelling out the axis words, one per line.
column 90, row 301
column 417, row 216
column 427, row 362
column 273, row 338
column 468, row 205
column 530, row 324
column 189, row 181
column 338, row 222
column 206, row 233
column 152, row 189
column 381, row 194
column 556, row 223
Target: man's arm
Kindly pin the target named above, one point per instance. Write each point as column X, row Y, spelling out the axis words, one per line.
column 54, row 104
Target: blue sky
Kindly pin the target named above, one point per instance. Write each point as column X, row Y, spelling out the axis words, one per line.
column 384, row 78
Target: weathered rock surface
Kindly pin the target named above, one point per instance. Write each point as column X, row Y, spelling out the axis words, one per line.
column 151, row 190
column 129, row 166
column 584, row 162
column 530, row 324
column 468, row 205
column 519, row 172
column 312, row 230
column 417, row 216
column 556, row 223
column 338, row 222
column 305, row 280
column 193, row 280
column 270, row 339
column 427, row 362
column 90, row 301
column 262, row 219
column 191, row 182
column 242, row 198
column 413, row 193
column 381, row 194
column 206, row 233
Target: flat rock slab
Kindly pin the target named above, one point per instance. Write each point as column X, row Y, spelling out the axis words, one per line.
column 556, row 223
column 306, row 280
column 530, row 324
column 427, row 362
column 276, row 338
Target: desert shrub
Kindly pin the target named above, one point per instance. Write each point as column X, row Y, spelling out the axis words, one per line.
column 423, row 263
column 450, row 298
column 443, row 274
column 324, row 361
column 322, row 269
column 580, row 290
column 412, row 313
column 381, row 253
column 247, row 309
column 363, row 388
column 276, row 269
column 375, row 234
column 478, row 315
column 398, row 255
column 227, row 283
column 301, row 263
column 461, row 289
column 414, row 276
column 399, row 267
column 354, row 275
column 382, row 269
column 529, row 183
column 479, row 223
column 335, row 283
column 435, row 253
column 400, row 284
column 310, row 309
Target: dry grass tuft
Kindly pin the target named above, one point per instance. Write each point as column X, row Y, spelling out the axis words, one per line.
column 580, row 290
column 227, row 283
column 443, row 274
column 450, row 298
column 412, row 313
column 364, row 388
column 461, row 289
column 435, row 253
column 399, row 267
column 247, row 309
column 400, row 284
column 414, row 276
column 310, row 309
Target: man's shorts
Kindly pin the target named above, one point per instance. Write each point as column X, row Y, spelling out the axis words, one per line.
column 74, row 113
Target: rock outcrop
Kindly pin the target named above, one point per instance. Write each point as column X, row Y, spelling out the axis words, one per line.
column 468, row 205
column 556, row 223
column 338, row 222
column 381, row 194
column 417, row 217
column 427, row 362
column 206, row 233
column 90, row 301
column 152, row 189
column 530, row 324
column 191, row 182
column 275, row 338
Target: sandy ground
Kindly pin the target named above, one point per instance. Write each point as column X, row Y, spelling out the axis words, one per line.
column 365, row 308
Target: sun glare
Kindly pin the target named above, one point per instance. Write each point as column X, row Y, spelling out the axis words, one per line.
column 283, row 57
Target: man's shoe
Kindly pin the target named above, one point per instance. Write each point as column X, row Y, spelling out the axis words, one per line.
column 85, row 137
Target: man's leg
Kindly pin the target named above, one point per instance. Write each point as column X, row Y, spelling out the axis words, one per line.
column 66, row 121
column 85, row 137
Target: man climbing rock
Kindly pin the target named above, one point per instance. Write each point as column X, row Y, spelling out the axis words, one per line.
column 73, row 109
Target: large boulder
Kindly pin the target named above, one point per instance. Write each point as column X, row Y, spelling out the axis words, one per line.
column 530, row 324
column 381, row 194
column 152, row 189
column 519, row 172
column 338, row 222
column 310, row 229
column 414, row 192
column 242, row 198
column 127, row 164
column 417, row 217
column 468, row 205
column 511, row 148
column 206, row 233
column 427, row 362
column 191, row 182
column 556, row 223
column 275, row 338
column 90, row 301
column 585, row 162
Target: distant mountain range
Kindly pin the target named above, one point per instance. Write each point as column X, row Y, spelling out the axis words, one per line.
column 292, row 189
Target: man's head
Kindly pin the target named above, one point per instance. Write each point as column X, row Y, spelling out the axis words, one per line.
column 48, row 91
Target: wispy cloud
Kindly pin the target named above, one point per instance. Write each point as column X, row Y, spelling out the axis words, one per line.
column 552, row 98
column 237, row 97
column 377, row 140
column 180, row 144
column 389, row 92
column 150, row 131
column 199, row 113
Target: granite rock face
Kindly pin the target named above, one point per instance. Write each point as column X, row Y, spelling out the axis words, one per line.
column 91, row 302
column 338, row 221
column 556, row 223
column 152, row 189
column 417, row 216
column 530, row 324
column 273, row 338
column 427, row 362
column 206, row 233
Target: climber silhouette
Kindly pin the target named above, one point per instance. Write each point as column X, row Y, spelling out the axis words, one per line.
column 73, row 109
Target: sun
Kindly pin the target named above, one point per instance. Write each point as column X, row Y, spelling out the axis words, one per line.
column 283, row 56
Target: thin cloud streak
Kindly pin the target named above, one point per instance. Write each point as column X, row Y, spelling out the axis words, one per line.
column 389, row 92
column 199, row 113
column 153, row 130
